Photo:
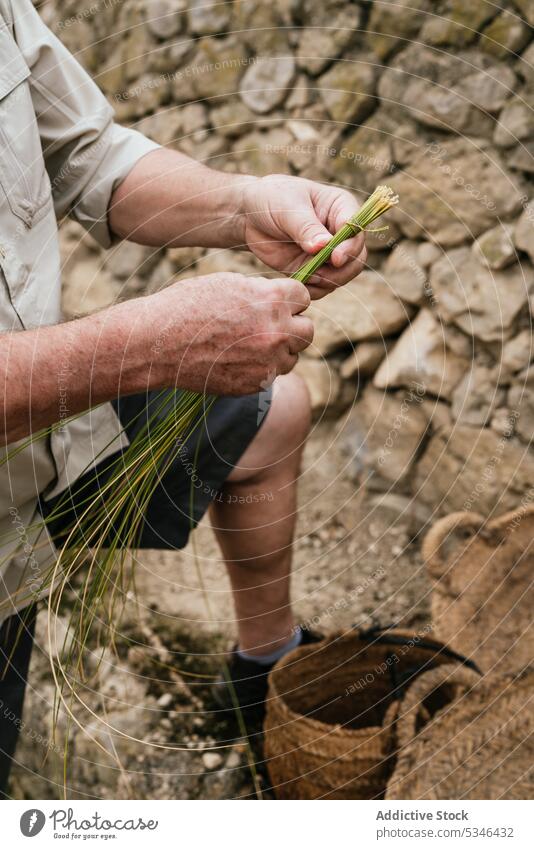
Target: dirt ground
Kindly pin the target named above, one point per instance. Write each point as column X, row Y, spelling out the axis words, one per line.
column 356, row 562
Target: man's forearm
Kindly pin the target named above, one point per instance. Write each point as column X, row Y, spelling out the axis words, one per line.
column 169, row 199
column 52, row 373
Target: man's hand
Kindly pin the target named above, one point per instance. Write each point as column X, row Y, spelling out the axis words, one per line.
column 286, row 219
column 225, row 334
column 169, row 199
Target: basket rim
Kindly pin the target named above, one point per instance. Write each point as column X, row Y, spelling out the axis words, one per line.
column 370, row 638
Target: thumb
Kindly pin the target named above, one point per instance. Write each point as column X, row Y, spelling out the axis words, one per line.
column 307, row 230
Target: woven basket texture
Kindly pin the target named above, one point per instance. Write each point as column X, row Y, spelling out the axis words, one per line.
column 483, row 587
column 479, row 746
column 331, row 708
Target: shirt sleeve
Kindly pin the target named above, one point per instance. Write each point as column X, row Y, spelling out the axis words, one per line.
column 87, row 155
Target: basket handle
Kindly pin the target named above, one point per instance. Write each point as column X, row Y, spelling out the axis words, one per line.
column 384, row 634
column 412, row 705
column 436, row 536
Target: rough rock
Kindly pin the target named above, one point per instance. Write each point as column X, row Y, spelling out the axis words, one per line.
column 322, row 380
column 458, row 342
column 525, row 65
column 470, row 468
column 215, row 69
column 481, row 302
column 261, row 26
column 194, row 117
column 420, row 357
column 165, row 18
column 147, row 94
column 328, row 31
column 495, row 248
column 427, row 85
column 267, row 82
column 301, row 94
column 405, row 143
column 127, row 259
column 526, row 9
column 364, row 360
column 363, row 309
column 135, row 48
column 207, row 18
column 505, row 34
column 521, row 403
column 518, row 352
column 521, row 158
column 365, row 156
column 347, row 90
column 164, row 127
column 392, row 25
column 437, row 412
column 404, row 274
column 170, row 56
column 183, row 258
column 453, row 192
column 524, row 231
column 162, row 276
column 232, row 119
column 489, row 89
column 382, row 434
column 458, row 24
column 263, row 153
column 477, row 396
column 205, row 147
column 516, row 122
column 215, row 261
column 503, row 422
column 427, row 254
column 87, row 287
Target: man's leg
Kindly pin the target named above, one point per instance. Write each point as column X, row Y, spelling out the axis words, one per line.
column 255, row 520
column 16, row 641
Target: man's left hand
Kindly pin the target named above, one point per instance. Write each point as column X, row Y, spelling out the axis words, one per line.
column 288, row 219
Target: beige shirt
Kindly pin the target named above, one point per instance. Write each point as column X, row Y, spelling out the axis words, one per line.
column 60, row 153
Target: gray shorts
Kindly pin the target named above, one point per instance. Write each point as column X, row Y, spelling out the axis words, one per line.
column 193, row 479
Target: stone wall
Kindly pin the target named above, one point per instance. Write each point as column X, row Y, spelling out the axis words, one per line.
column 425, row 358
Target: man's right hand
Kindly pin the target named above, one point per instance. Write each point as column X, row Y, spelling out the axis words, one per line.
column 225, row 334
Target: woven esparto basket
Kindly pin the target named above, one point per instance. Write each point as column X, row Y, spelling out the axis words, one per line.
column 483, row 593
column 330, row 710
column 480, row 746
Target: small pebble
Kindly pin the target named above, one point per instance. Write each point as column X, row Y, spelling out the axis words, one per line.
column 165, row 700
column 233, row 760
column 212, row 760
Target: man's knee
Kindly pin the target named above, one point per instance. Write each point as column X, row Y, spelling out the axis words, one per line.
column 284, row 430
column 291, row 408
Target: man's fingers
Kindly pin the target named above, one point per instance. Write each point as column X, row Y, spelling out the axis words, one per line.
column 350, row 249
column 327, row 278
column 294, row 293
column 343, row 208
column 301, row 334
column 288, row 363
column 305, row 228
